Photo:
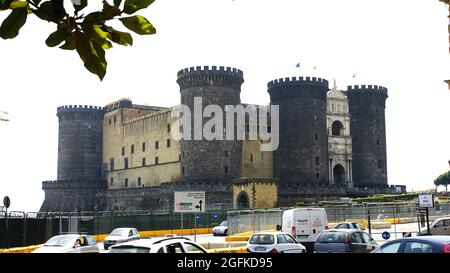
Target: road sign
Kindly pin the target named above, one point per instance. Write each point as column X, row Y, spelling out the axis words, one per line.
column 426, row 201
column 188, row 201
column 386, row 235
column 6, row 202
column 215, row 216
column 197, row 217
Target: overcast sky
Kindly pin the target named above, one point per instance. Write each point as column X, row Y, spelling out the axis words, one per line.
column 402, row 45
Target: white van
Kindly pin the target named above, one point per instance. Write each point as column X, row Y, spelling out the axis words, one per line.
column 305, row 224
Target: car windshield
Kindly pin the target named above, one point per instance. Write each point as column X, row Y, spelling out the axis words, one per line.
column 62, row 240
column 262, row 239
column 129, row 249
column 332, row 237
column 224, row 223
column 120, row 232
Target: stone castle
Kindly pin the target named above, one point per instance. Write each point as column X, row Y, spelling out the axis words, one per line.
column 332, row 143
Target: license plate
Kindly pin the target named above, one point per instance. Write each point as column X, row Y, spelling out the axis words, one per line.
column 260, row 248
column 304, row 236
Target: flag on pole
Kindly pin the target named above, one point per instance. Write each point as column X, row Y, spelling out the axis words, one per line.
column 297, row 65
column 3, row 116
column 448, row 82
column 354, row 75
column 315, row 67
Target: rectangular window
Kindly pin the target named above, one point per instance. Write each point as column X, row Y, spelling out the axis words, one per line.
column 226, row 170
column 156, row 160
column 112, row 181
column 156, row 145
column 143, row 162
column 317, row 175
column 168, row 143
column 139, row 181
column 380, row 164
column 317, row 161
column 126, row 182
column 168, row 128
column 143, row 146
column 179, row 157
column 126, row 162
column 182, row 170
column 316, row 136
column 132, row 148
column 251, row 157
column 111, row 164
column 109, row 121
column 227, row 153
column 378, row 142
column 123, row 150
column 115, row 119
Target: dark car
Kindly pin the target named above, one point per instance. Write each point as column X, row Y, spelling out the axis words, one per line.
column 344, row 241
column 421, row 244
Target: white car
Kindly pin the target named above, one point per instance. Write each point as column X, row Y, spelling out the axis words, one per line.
column 120, row 235
column 159, row 245
column 274, row 242
column 221, row 229
column 347, row 225
column 69, row 243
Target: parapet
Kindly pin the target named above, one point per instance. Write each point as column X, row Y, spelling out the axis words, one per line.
column 210, row 76
column 122, row 103
column 367, row 95
column 301, row 87
column 80, row 112
column 297, row 81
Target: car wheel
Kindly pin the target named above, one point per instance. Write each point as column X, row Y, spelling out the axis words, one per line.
column 105, row 247
column 225, row 232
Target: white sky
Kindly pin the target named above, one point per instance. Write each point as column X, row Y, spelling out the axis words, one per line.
column 400, row 44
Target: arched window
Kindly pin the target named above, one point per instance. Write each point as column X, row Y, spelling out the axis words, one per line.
column 337, row 129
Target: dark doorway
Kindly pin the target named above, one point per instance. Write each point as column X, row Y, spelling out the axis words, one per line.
column 339, row 174
column 242, row 200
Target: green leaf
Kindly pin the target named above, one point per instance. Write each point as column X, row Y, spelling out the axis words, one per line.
column 57, row 37
column 131, row 6
column 4, row 4
column 69, row 43
column 122, row 38
column 79, row 5
column 51, row 11
column 96, row 33
column 95, row 18
column 92, row 54
column 138, row 24
column 110, row 11
column 18, row 4
column 13, row 23
column 117, row 3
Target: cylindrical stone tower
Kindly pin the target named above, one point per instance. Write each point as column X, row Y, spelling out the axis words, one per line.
column 202, row 159
column 368, row 130
column 302, row 156
column 80, row 143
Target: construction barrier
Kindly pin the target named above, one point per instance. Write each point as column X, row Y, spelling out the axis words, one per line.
column 27, row 249
column 229, row 250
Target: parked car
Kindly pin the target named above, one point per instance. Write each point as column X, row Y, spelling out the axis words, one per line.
column 69, row 243
column 344, row 241
column 347, row 225
column 120, row 235
column 305, row 224
column 159, row 245
column 221, row 229
column 421, row 244
column 440, row 226
column 274, row 242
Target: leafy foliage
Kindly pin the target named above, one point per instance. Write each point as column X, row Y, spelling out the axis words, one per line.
column 443, row 179
column 387, row 198
column 88, row 34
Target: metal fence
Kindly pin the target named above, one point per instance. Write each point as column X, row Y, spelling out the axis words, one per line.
column 260, row 220
column 29, row 228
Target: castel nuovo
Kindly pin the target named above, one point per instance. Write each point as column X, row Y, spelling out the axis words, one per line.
column 332, row 143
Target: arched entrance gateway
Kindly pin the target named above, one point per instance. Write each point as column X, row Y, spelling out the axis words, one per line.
column 339, row 174
column 243, row 200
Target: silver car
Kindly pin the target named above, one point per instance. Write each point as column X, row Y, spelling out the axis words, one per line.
column 120, row 235
column 221, row 229
column 69, row 243
column 440, row 226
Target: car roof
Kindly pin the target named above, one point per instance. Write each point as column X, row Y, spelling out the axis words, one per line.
column 269, row 232
column 430, row 238
column 347, row 230
column 148, row 242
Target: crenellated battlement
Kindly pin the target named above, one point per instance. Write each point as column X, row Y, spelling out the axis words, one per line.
column 210, row 76
column 297, row 81
column 364, row 88
column 71, row 184
column 79, row 112
column 301, row 87
column 367, row 95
